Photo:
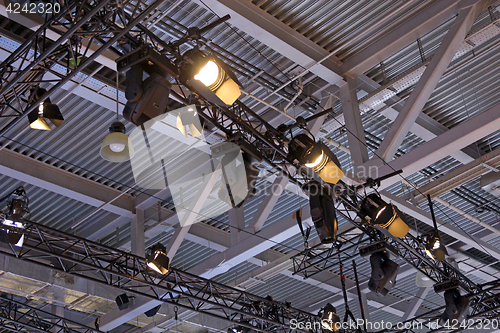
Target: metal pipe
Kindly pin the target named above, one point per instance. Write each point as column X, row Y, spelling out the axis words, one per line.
column 267, row 104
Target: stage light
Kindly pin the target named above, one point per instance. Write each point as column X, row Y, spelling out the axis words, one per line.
column 316, row 156
column 323, row 213
column 46, row 111
column 378, row 212
column 384, row 272
column 122, row 301
column 457, row 307
column 153, row 311
column 330, row 321
column 12, row 225
column 238, row 329
column 433, row 245
column 157, row 259
column 116, row 146
column 188, row 117
column 210, row 77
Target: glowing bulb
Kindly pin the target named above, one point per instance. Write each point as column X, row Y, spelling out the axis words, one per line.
column 40, row 109
column 437, row 245
column 154, row 267
column 117, row 147
column 380, row 212
column 208, row 74
column 425, row 278
column 315, row 163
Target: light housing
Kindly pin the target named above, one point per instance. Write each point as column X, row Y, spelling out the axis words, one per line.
column 385, row 215
column 153, row 311
column 12, row 225
column 323, row 213
column 46, row 111
column 457, row 307
column 157, row 259
column 434, row 246
column 330, row 321
column 384, row 272
column 116, row 146
column 210, row 77
column 316, row 156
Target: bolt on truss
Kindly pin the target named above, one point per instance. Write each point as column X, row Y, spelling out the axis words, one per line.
column 78, row 257
column 18, row 317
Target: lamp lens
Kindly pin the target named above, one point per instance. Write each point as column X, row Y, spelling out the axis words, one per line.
column 316, row 162
column 117, row 147
column 209, row 74
column 154, row 267
column 380, row 212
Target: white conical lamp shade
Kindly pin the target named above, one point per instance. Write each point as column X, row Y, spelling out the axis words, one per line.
column 422, row 280
column 117, row 147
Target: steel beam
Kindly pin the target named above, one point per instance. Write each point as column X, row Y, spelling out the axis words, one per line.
column 434, row 150
column 268, row 203
column 429, row 80
column 400, row 36
column 46, row 176
column 415, row 303
column 353, row 123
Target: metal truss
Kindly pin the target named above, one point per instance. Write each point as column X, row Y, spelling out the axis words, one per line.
column 101, row 264
column 18, row 317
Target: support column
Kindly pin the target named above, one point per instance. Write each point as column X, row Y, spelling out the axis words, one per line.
column 236, row 224
column 137, row 233
column 415, row 304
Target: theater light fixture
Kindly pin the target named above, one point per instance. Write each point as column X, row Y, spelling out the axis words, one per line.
column 316, row 156
column 384, row 272
column 378, row 212
column 157, row 259
column 46, row 111
column 188, row 117
column 323, row 213
column 330, row 321
column 152, row 312
column 12, row 224
column 433, row 245
column 210, row 77
column 116, row 146
column 238, row 329
column 457, row 307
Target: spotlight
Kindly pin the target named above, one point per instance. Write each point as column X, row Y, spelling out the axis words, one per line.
column 238, row 329
column 117, row 146
column 122, row 301
column 157, row 259
column 316, row 156
column 188, row 117
column 239, row 161
column 388, row 216
column 434, row 247
column 330, row 321
column 457, row 307
column 384, row 272
column 153, row 311
column 210, row 77
column 12, row 224
column 323, row 213
column 45, row 111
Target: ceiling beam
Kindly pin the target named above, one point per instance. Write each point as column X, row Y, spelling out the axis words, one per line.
column 400, row 36
column 429, row 80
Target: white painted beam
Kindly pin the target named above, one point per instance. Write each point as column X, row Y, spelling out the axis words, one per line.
column 434, row 150
column 429, row 80
column 353, row 123
column 416, row 303
column 400, row 36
